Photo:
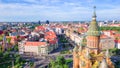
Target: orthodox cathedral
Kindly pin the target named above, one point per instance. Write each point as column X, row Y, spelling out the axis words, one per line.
column 91, row 55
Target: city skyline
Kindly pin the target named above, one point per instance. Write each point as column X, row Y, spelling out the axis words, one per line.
column 57, row 10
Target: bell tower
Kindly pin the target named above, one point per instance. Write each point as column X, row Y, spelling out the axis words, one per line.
column 93, row 35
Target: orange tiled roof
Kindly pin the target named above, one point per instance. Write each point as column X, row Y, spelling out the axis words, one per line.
column 51, row 37
column 53, row 41
column 50, row 33
column 40, row 28
column 28, row 43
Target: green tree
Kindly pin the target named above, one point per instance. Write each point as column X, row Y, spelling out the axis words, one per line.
column 17, row 60
column 16, row 48
column 114, row 51
column 1, row 37
column 6, row 54
column 8, row 40
column 1, row 52
column 66, row 66
column 52, row 64
column 60, row 62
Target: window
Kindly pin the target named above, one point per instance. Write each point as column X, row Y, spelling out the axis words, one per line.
column 43, row 50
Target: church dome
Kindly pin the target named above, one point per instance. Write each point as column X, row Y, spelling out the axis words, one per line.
column 93, row 29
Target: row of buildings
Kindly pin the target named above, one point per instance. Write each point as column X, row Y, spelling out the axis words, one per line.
column 41, row 41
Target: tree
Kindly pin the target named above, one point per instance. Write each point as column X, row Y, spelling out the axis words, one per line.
column 16, row 48
column 1, row 52
column 17, row 59
column 60, row 60
column 114, row 51
column 66, row 66
column 8, row 40
column 52, row 64
column 1, row 37
column 6, row 54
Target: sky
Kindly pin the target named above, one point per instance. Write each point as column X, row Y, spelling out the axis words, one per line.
column 58, row 10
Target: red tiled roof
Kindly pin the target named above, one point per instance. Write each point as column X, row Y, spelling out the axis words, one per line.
column 53, row 41
column 35, row 43
column 40, row 28
column 51, row 37
column 115, row 36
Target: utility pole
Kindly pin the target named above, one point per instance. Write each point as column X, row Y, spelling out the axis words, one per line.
column 12, row 64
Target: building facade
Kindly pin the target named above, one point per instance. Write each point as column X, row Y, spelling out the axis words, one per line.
column 36, row 48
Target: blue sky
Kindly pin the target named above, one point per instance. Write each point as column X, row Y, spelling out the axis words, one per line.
column 58, row 10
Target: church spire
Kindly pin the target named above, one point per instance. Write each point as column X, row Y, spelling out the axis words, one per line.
column 93, row 29
column 94, row 13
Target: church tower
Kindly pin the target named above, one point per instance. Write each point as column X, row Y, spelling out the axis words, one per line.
column 93, row 35
column 90, row 55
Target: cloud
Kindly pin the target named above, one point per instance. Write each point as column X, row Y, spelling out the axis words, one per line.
column 33, row 1
column 55, row 10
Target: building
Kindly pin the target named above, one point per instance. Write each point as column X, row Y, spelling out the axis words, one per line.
column 106, row 41
column 117, row 44
column 35, row 48
column 91, row 55
column 42, row 46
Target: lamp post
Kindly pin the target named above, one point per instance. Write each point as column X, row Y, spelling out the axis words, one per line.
column 12, row 61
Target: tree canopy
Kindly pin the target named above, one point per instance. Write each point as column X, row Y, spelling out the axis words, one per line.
column 60, row 62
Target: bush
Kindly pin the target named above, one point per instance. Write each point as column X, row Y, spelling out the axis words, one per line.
column 60, row 62
column 68, row 61
column 114, row 51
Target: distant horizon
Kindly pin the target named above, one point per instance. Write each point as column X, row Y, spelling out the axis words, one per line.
column 58, row 10
column 58, row 21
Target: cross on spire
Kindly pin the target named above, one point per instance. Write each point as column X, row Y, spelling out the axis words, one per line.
column 94, row 7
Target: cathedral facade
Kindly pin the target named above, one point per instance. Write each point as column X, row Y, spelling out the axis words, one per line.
column 91, row 55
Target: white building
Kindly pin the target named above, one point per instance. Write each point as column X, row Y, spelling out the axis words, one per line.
column 36, row 48
column 117, row 44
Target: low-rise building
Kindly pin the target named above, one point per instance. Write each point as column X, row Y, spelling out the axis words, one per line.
column 36, row 48
column 117, row 44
